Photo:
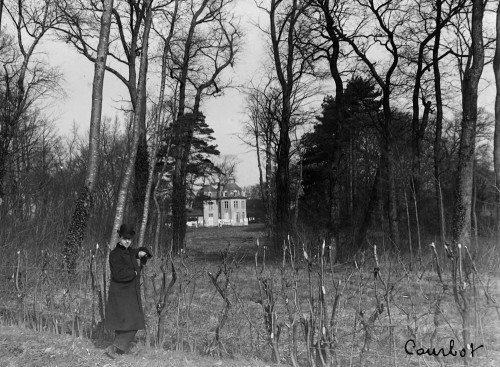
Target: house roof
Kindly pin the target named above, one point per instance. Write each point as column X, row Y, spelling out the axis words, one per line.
column 208, row 188
column 231, row 186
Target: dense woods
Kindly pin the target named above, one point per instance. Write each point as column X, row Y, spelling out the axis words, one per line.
column 400, row 142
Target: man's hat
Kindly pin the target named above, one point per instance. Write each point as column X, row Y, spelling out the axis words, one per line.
column 126, row 231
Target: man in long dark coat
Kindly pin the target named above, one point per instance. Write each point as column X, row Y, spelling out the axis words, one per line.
column 124, row 312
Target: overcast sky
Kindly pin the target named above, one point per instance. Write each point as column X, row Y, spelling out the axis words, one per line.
column 224, row 114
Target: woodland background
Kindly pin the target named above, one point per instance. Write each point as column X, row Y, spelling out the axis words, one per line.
column 398, row 155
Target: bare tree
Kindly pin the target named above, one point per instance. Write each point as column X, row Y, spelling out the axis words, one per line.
column 439, row 120
column 200, row 51
column 461, row 230
column 24, row 77
column 420, row 34
column 291, row 62
column 81, row 213
column 225, row 167
column 126, row 47
column 139, row 113
column 472, row 74
column 262, row 134
column 161, row 117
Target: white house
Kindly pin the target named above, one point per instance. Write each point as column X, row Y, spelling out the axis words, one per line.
column 226, row 206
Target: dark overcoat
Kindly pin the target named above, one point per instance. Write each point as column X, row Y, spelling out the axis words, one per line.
column 124, row 306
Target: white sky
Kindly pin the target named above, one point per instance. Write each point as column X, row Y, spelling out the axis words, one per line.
column 224, row 114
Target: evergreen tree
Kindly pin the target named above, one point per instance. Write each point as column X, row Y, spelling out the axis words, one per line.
column 197, row 135
column 340, row 159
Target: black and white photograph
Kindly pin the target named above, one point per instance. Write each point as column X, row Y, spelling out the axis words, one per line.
column 249, row 183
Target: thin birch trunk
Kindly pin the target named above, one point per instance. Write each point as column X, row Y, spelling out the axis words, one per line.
column 124, row 187
column 156, row 140
column 149, row 185
column 81, row 214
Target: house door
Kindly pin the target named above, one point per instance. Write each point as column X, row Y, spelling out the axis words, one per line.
column 210, row 219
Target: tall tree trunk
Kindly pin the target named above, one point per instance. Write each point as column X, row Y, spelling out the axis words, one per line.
column 151, row 173
column 264, row 186
column 270, row 188
column 185, row 131
column 287, row 79
column 158, row 120
column 416, row 138
column 335, row 156
column 496, row 149
column 142, row 155
column 259, row 163
column 464, row 180
column 141, row 163
column 367, row 214
column 139, row 110
column 141, row 175
column 183, row 147
column 299, row 190
column 472, row 75
column 439, row 123
column 418, row 129
column 282, row 187
column 81, row 214
column 390, row 171
column 393, row 202
column 179, row 131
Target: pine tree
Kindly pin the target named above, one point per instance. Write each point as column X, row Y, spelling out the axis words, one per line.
column 328, row 160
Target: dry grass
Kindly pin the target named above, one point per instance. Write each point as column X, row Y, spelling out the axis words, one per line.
column 28, row 348
column 195, row 307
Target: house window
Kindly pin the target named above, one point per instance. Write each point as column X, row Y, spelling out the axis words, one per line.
column 224, row 193
column 209, row 194
column 226, row 204
column 242, row 204
column 211, row 205
column 211, row 215
column 235, row 204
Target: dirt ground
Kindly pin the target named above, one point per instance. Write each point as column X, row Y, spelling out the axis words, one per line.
column 27, row 348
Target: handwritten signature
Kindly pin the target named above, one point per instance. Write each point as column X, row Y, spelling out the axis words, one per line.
column 411, row 348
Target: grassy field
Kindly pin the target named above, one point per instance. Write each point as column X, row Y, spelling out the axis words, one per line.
column 226, row 309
